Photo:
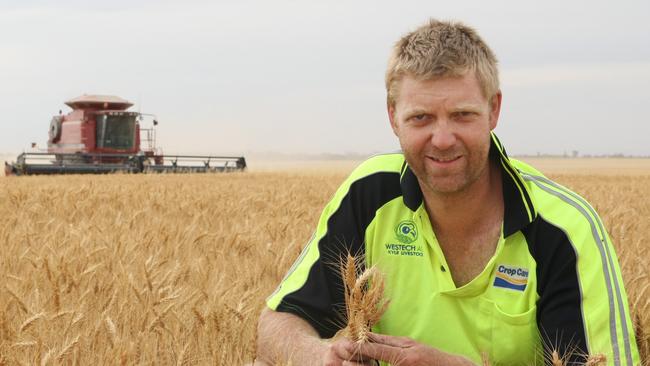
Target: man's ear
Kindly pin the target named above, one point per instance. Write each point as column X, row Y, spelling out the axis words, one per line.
column 495, row 109
column 392, row 118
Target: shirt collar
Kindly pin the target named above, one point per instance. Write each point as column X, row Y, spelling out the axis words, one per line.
column 519, row 210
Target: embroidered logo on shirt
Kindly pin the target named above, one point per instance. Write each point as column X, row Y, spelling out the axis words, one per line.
column 514, row 278
column 406, row 232
column 404, row 249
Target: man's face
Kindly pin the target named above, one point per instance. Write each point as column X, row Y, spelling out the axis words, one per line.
column 443, row 126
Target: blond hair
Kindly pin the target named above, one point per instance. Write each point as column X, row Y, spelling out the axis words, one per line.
column 438, row 49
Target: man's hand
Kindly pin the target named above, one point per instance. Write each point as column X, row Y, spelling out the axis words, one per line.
column 403, row 351
column 284, row 338
column 344, row 352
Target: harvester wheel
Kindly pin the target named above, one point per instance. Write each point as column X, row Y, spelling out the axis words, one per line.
column 10, row 169
column 55, row 128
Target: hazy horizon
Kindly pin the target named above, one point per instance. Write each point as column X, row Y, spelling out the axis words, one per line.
column 298, row 78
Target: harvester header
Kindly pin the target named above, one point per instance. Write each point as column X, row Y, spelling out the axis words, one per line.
column 100, row 135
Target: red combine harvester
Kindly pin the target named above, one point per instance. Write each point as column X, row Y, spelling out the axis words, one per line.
column 99, row 136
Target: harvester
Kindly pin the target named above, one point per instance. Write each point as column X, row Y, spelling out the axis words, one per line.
column 100, row 135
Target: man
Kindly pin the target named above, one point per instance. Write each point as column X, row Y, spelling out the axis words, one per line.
column 484, row 257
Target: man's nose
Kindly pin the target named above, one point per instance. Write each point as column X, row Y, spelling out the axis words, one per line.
column 443, row 136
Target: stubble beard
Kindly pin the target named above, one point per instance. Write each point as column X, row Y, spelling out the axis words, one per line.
column 455, row 183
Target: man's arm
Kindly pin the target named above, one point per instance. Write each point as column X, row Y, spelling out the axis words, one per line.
column 311, row 294
column 284, row 338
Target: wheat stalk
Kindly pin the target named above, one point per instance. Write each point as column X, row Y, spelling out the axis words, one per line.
column 111, row 329
column 46, row 358
column 67, row 349
column 181, row 360
column 20, row 302
column 30, row 321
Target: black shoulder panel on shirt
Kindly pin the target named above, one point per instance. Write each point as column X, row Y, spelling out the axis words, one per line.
column 515, row 212
column 559, row 314
column 320, row 301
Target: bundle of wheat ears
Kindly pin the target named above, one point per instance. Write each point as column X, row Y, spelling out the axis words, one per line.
column 364, row 298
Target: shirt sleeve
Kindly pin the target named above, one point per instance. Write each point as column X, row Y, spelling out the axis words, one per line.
column 313, row 288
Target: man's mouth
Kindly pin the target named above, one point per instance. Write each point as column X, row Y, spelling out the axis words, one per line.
column 445, row 159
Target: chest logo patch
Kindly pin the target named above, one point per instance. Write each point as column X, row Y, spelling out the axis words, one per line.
column 511, row 277
column 406, row 232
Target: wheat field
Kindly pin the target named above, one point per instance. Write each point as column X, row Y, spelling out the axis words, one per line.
column 173, row 269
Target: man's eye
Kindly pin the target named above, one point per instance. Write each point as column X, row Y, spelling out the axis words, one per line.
column 464, row 114
column 420, row 117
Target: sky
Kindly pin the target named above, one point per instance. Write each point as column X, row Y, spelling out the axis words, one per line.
column 306, row 77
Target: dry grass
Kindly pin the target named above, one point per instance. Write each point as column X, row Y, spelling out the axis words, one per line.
column 174, row 269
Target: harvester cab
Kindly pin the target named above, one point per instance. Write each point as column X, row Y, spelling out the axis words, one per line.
column 100, row 135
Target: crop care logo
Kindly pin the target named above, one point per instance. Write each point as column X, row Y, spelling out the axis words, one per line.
column 406, row 232
column 510, row 277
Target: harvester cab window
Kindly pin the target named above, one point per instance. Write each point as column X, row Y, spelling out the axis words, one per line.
column 116, row 131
